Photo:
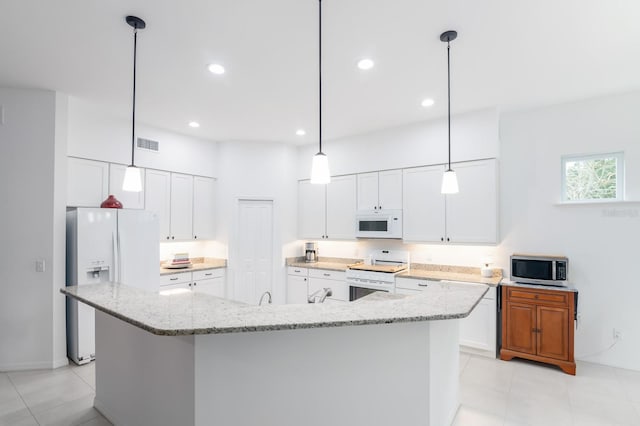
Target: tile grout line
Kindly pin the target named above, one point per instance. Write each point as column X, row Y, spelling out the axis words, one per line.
column 22, row 399
column 82, row 378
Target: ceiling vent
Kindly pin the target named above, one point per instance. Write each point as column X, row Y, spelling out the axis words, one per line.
column 148, row 144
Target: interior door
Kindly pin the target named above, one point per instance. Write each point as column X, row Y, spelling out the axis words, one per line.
column 553, row 334
column 521, row 328
column 255, row 250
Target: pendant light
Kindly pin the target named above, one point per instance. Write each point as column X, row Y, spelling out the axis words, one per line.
column 320, row 165
column 133, row 176
column 449, row 179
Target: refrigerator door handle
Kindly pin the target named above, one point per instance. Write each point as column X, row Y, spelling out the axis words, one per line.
column 119, row 257
column 116, row 266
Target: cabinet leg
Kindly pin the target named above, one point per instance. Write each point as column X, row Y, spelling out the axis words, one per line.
column 568, row 368
column 506, row 357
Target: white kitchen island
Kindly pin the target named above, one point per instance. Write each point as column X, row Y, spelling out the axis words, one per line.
column 194, row 359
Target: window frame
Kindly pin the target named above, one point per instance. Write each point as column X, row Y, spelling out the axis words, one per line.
column 619, row 157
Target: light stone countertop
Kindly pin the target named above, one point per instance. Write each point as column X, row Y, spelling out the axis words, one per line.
column 326, row 263
column 197, row 264
column 570, row 288
column 197, row 313
column 451, row 276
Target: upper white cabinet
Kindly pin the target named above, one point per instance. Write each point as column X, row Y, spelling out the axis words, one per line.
column 380, row 190
column 158, row 199
column 129, row 200
column 204, row 195
column 327, row 211
column 87, row 182
column 181, row 206
column 467, row 217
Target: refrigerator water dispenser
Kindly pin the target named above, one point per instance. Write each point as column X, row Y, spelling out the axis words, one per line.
column 98, row 275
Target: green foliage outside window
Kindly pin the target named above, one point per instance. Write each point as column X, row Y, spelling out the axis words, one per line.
column 591, row 179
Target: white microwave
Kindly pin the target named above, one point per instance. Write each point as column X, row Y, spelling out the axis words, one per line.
column 379, row 224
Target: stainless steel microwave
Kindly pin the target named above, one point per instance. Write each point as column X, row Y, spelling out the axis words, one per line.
column 379, row 224
column 545, row 270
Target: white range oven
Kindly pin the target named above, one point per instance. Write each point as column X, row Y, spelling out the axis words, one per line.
column 377, row 274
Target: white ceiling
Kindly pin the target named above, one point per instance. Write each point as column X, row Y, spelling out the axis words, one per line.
column 509, row 54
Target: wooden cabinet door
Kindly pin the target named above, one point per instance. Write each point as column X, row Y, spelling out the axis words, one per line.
column 368, row 191
column 181, row 206
column 520, row 334
column 472, row 213
column 311, row 210
column 390, row 190
column 341, row 208
column 157, row 193
column 553, row 332
column 423, row 204
column 203, row 208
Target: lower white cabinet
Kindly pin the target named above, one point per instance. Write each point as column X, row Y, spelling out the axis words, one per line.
column 209, row 281
column 478, row 330
column 302, row 282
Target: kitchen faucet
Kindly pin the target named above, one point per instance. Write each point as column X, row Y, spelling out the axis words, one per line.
column 266, row 293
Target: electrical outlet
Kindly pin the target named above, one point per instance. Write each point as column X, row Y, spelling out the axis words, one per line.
column 617, row 334
column 40, row 265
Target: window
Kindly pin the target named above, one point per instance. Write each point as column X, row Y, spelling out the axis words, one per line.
column 593, row 177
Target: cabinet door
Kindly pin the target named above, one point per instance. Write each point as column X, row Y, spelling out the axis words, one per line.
column 129, row 200
column 390, row 190
column 341, row 208
column 423, row 204
column 172, row 289
column 406, row 291
column 311, row 210
column 368, row 191
column 297, row 289
column 339, row 289
column 212, row 286
column 87, row 182
column 181, row 206
column 203, row 208
column 520, row 328
column 553, row 332
column 478, row 330
column 157, row 198
column 472, row 213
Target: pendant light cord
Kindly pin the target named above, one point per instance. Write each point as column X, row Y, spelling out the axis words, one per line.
column 320, row 72
column 449, row 100
column 133, row 119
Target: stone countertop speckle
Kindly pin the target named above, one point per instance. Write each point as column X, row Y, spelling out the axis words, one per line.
column 206, row 263
column 449, row 276
column 196, row 313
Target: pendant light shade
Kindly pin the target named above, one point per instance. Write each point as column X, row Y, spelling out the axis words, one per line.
column 320, row 169
column 320, row 166
column 133, row 176
column 449, row 179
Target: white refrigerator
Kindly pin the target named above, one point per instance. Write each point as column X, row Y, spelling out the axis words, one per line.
column 106, row 245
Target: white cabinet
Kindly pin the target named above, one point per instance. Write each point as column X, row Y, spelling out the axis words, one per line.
column 87, row 182
column 467, row 217
column 327, row 211
column 302, row 282
column 297, row 289
column 204, row 196
column 210, row 282
column 478, row 330
column 174, row 279
column 181, row 206
column 129, row 200
column 158, row 199
column 380, row 190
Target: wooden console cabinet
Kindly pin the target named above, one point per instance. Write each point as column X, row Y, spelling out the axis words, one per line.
column 537, row 324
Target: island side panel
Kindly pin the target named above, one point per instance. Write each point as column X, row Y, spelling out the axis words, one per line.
column 445, row 369
column 360, row 375
column 141, row 378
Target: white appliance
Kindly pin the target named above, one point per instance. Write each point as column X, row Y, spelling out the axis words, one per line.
column 377, row 274
column 379, row 224
column 106, row 245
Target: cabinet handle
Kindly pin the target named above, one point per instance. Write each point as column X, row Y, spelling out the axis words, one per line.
column 533, row 330
column 535, row 296
column 422, row 285
column 441, row 238
column 194, row 284
column 189, row 284
column 305, row 279
column 195, row 237
column 296, row 270
column 208, row 275
column 173, row 238
column 167, row 237
column 375, row 207
column 448, row 239
column 173, row 279
column 327, row 275
column 379, row 207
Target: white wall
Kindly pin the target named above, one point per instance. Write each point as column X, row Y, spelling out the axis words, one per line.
column 474, row 136
column 33, row 172
column 259, row 170
column 97, row 135
column 602, row 247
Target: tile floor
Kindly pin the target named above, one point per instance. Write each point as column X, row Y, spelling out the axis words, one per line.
column 492, row 392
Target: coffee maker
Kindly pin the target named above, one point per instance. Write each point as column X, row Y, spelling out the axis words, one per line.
column 311, row 252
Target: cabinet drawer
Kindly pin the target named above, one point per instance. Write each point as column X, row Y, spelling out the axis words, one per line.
column 329, row 275
column 558, row 297
column 183, row 277
column 414, row 284
column 208, row 274
column 294, row 270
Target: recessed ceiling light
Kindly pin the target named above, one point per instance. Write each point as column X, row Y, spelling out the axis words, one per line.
column 427, row 102
column 194, row 124
column 300, row 132
column 365, row 64
column 216, row 69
